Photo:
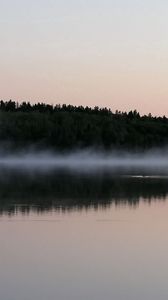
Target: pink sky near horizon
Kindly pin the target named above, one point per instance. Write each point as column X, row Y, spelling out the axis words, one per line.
column 87, row 53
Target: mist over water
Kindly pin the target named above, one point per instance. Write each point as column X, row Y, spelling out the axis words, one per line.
column 60, row 213
column 150, row 162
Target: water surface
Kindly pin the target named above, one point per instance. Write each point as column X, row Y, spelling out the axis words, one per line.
column 72, row 236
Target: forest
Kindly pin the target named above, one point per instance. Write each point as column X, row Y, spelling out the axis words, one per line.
column 67, row 127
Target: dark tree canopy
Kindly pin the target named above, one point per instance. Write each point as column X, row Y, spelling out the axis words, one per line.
column 67, row 127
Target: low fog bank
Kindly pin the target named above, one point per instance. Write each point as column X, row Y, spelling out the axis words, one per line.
column 87, row 161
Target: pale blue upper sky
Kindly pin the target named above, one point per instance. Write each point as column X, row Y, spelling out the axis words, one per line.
column 106, row 53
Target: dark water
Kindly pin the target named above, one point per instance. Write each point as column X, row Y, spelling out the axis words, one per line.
column 70, row 236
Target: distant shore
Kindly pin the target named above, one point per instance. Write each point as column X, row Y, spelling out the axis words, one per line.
column 67, row 127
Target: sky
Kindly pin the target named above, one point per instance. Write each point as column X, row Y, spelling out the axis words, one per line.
column 111, row 53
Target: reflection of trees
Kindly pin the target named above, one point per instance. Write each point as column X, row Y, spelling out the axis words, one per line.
column 60, row 191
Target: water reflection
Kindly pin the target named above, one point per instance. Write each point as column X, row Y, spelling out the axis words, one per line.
column 61, row 191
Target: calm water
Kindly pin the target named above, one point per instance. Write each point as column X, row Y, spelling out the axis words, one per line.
column 71, row 237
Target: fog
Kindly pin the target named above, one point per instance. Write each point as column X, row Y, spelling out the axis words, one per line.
column 155, row 161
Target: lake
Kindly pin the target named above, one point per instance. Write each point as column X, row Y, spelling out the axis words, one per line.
column 71, row 236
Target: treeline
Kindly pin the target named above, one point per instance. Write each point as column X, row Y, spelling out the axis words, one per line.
column 67, row 127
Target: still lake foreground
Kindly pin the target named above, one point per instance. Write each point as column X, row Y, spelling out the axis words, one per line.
column 71, row 237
